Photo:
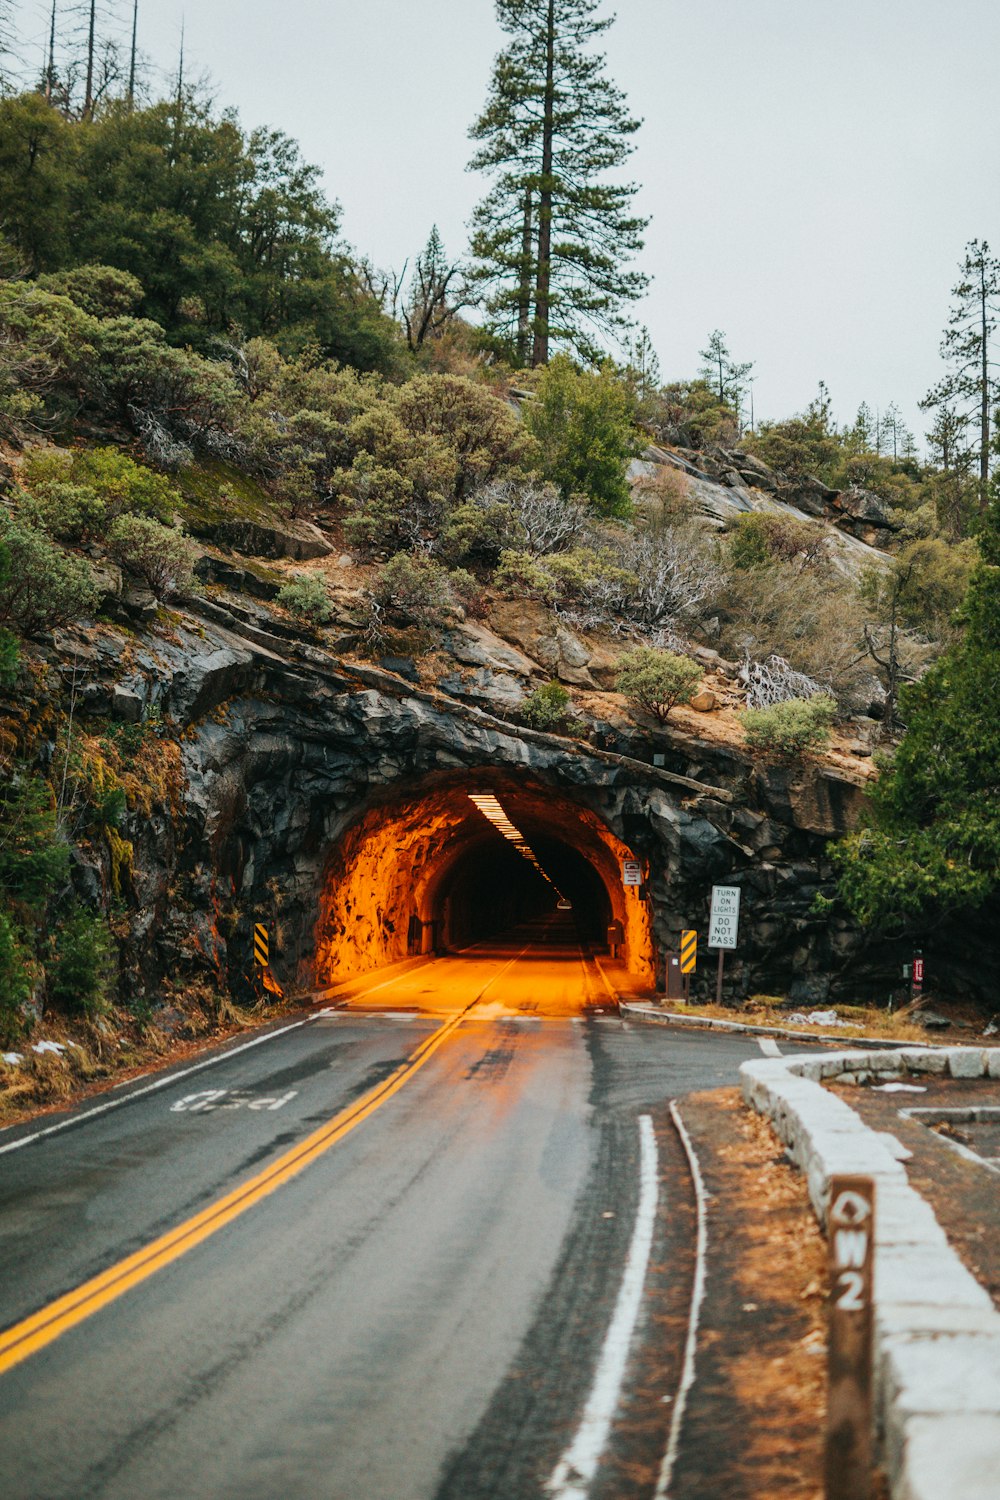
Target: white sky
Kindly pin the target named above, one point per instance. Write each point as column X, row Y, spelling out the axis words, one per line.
column 814, row 167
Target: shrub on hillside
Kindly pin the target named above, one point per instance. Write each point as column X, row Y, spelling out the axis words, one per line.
column 656, row 681
column 102, row 291
column 306, row 597
column 15, row 979
column 762, row 537
column 34, row 858
column 482, row 432
column 75, row 495
column 413, row 588
column 81, row 974
column 546, row 707
column 43, row 587
column 790, row 729
column 160, row 555
column 518, row 515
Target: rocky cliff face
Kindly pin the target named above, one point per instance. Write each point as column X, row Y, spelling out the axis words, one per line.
column 287, row 748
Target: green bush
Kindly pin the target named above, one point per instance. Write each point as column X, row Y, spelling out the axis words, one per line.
column 43, row 587
column 306, row 597
column 34, row 859
column 792, row 728
column 522, row 576
column 467, row 591
column 657, row 681
column 160, row 555
column 15, row 979
column 583, row 422
column 760, row 538
column 78, row 494
column 546, row 707
column 81, row 974
column 10, row 659
column 102, row 291
column 413, row 587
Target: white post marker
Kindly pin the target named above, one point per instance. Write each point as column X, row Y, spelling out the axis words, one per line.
column 723, row 926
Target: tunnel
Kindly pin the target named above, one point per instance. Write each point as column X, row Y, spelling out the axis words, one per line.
column 456, row 860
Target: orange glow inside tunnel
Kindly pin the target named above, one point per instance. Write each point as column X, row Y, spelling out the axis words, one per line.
column 434, row 871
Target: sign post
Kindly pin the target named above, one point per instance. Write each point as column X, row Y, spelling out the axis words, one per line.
column 851, row 1231
column 917, row 976
column 723, row 926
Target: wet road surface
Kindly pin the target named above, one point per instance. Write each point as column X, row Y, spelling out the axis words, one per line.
column 417, row 1312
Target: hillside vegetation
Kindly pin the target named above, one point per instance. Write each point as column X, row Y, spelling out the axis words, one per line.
column 192, row 362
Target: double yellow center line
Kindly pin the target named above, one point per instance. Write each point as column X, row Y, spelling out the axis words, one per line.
column 49, row 1323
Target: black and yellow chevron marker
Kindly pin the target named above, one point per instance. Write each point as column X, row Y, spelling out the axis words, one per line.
column 689, row 952
column 261, row 947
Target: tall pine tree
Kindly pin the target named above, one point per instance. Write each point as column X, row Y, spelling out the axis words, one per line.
column 550, row 240
column 970, row 387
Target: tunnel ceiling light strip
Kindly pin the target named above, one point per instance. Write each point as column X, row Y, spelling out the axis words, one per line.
column 491, row 809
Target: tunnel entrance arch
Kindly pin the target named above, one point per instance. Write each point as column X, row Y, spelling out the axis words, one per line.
column 423, row 870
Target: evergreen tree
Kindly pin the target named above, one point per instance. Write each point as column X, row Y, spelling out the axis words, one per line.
column 550, row 238
column 934, row 844
column 970, row 387
column 642, row 369
column 582, row 421
column 952, row 462
column 729, row 379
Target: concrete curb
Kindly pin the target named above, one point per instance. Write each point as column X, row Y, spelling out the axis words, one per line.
column 643, row 1011
column 937, row 1333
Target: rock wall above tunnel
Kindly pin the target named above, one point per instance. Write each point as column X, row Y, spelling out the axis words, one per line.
column 284, row 758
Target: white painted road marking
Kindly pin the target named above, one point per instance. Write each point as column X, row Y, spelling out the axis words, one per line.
column 214, row 1099
column 158, row 1083
column 768, row 1046
column 662, row 1490
column 574, row 1472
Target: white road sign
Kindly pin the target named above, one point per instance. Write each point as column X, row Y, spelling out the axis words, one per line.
column 724, row 922
column 631, row 872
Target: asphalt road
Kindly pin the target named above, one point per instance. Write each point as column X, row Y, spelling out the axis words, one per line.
column 416, row 1312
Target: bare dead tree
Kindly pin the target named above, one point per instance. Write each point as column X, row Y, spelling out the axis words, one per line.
column 775, row 681
column 437, row 293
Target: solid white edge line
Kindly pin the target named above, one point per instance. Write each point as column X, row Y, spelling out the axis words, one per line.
column 576, row 1468
column 662, row 1490
column 151, row 1088
column 208, row 1062
column 165, row 1081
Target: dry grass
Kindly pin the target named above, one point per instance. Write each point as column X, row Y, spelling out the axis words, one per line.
column 107, row 1050
column 860, row 1021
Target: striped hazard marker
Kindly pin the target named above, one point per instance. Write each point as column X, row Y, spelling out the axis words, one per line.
column 689, row 952
column 261, row 947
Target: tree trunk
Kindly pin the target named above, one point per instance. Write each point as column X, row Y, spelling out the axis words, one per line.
column 984, row 409
column 50, row 71
column 524, row 289
column 131, row 65
column 88, row 101
column 540, row 352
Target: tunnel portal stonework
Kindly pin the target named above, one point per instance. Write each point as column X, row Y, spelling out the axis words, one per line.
column 283, row 758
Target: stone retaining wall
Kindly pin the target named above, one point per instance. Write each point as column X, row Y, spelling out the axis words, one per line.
column 937, row 1333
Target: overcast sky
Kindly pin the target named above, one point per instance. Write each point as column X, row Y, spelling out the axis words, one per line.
column 813, row 169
